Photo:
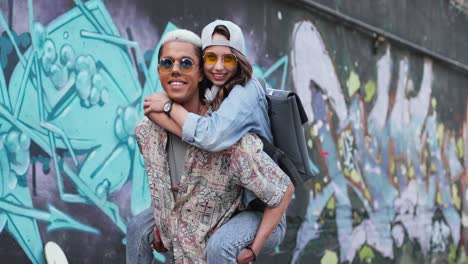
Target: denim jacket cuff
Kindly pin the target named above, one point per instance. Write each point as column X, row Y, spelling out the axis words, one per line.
column 189, row 128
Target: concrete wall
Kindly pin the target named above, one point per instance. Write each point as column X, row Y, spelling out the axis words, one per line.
column 388, row 134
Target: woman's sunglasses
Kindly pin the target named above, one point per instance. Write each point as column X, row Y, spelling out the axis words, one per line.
column 185, row 65
column 229, row 60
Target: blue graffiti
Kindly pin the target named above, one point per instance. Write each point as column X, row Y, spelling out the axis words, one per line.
column 75, row 93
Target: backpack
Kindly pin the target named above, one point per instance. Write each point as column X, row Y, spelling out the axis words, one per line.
column 289, row 148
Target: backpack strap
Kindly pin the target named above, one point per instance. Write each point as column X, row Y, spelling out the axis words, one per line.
column 263, row 83
column 280, row 158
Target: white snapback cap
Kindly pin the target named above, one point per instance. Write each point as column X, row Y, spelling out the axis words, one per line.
column 236, row 38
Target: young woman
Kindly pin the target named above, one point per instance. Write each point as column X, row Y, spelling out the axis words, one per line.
column 239, row 106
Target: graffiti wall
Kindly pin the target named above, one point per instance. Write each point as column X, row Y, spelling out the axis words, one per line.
column 387, row 136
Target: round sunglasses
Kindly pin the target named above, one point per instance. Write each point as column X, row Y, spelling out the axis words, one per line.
column 185, row 65
column 229, row 59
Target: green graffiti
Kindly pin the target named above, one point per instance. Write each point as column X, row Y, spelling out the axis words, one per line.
column 460, row 148
column 370, row 89
column 366, row 254
column 331, row 203
column 452, row 254
column 353, row 83
column 330, row 257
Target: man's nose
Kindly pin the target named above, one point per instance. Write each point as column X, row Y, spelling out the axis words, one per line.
column 175, row 69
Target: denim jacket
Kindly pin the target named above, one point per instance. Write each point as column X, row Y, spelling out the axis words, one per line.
column 244, row 110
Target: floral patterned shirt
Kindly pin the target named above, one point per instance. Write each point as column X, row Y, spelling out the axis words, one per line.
column 210, row 189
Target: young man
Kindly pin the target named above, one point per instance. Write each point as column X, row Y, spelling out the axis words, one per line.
column 194, row 192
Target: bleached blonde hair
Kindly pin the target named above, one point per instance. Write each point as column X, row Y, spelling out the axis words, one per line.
column 182, row 35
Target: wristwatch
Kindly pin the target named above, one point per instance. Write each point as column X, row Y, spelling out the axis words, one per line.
column 167, row 107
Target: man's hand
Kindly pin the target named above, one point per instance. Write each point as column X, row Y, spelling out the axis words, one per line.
column 158, row 244
column 245, row 256
column 155, row 102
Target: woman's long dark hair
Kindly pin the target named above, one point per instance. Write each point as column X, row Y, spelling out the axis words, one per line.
column 241, row 77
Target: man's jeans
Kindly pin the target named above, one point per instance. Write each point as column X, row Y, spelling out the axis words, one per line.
column 223, row 246
column 139, row 238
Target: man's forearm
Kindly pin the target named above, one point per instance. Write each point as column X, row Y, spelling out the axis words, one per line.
column 271, row 219
column 165, row 122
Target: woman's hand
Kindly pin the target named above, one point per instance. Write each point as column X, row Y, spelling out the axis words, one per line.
column 155, row 102
column 245, row 256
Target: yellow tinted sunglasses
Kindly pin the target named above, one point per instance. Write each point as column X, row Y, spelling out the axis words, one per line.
column 229, row 60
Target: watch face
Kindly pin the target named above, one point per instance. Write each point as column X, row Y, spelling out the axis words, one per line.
column 167, row 107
